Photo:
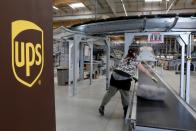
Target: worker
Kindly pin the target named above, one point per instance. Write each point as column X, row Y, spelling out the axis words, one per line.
column 121, row 79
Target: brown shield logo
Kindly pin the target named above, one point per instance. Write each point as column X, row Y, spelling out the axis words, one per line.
column 27, row 52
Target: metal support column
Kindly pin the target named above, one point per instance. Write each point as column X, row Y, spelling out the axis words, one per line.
column 107, row 41
column 77, row 39
column 188, row 68
column 166, row 43
column 128, row 41
column 81, row 61
column 170, row 45
column 182, row 67
column 91, row 62
column 70, row 69
column 175, row 49
column 186, row 39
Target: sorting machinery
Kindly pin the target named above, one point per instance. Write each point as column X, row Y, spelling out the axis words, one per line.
column 173, row 113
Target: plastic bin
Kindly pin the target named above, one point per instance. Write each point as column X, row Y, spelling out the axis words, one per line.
column 62, row 76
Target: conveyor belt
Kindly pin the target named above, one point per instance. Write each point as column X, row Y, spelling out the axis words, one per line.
column 169, row 114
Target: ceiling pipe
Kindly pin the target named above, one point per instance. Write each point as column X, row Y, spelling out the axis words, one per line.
column 124, row 7
column 170, row 6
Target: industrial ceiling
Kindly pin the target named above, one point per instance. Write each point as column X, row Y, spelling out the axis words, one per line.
column 85, row 10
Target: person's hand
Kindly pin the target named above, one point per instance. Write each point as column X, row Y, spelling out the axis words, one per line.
column 154, row 79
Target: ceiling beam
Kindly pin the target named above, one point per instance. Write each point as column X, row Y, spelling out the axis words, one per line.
column 79, row 17
column 111, row 4
column 59, row 2
column 170, row 6
column 67, row 23
column 65, row 18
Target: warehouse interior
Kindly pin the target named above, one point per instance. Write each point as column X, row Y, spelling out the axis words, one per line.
column 91, row 37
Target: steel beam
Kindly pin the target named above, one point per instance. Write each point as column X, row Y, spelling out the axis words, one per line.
column 107, row 41
column 81, row 61
column 180, row 41
column 91, row 61
column 186, row 38
column 170, row 6
column 188, row 70
column 77, row 39
column 70, row 69
column 183, row 34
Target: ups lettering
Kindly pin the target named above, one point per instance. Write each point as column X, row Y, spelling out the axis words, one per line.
column 27, row 54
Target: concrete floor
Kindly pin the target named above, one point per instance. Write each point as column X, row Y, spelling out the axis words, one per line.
column 173, row 80
column 80, row 113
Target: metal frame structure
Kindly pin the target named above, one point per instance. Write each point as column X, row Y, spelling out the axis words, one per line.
column 184, row 40
column 76, row 41
column 131, row 116
column 137, row 27
column 180, row 25
column 137, row 24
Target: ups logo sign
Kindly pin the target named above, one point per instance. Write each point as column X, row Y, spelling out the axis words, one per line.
column 27, row 52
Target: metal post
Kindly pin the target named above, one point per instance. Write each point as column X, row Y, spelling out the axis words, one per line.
column 186, row 40
column 107, row 41
column 128, row 41
column 81, row 61
column 157, row 65
column 70, row 69
column 188, row 70
column 91, row 62
column 182, row 72
column 162, row 70
column 175, row 46
column 166, row 45
column 182, row 67
column 77, row 39
column 170, row 45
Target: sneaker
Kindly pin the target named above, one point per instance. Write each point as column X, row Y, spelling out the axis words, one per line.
column 101, row 110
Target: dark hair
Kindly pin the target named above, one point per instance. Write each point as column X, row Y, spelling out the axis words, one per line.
column 131, row 53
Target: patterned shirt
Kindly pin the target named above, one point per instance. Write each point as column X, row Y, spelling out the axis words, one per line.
column 128, row 66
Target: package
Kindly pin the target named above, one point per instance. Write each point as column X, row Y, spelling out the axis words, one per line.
column 151, row 92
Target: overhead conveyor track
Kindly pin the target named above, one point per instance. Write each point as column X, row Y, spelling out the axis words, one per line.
column 138, row 24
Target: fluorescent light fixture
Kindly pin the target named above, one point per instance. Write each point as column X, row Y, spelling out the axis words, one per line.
column 77, row 5
column 153, row 0
column 124, row 7
column 54, row 7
